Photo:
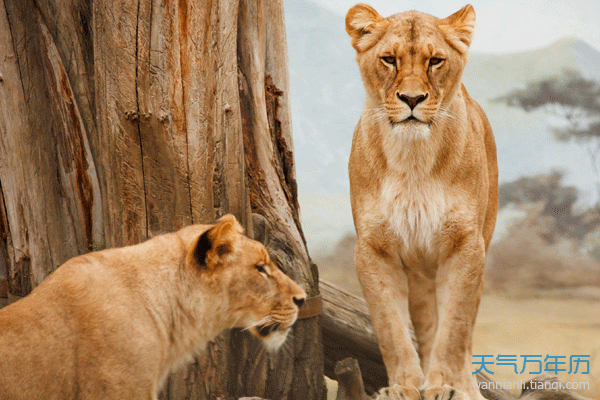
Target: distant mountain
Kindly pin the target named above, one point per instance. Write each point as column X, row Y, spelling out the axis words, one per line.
column 488, row 76
column 327, row 97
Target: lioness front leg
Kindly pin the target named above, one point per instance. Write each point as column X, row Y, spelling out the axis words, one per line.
column 459, row 284
column 385, row 288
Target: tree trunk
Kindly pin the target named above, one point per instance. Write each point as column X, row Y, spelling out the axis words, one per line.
column 120, row 120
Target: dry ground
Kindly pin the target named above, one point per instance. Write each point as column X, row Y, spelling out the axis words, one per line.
column 549, row 326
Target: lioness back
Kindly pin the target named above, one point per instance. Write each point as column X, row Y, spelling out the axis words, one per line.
column 424, row 193
column 112, row 324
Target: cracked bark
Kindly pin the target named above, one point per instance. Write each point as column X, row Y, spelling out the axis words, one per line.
column 121, row 120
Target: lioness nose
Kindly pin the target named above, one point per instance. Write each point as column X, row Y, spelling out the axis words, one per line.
column 299, row 301
column 412, row 101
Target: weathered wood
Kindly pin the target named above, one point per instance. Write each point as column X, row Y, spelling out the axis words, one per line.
column 119, row 151
column 51, row 203
column 348, row 333
column 350, row 382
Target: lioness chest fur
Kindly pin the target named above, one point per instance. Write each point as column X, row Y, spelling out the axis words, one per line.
column 423, row 184
column 112, row 324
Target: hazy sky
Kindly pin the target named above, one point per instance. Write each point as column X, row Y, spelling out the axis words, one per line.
column 506, row 25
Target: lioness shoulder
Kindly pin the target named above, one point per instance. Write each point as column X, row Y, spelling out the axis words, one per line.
column 112, row 324
column 423, row 184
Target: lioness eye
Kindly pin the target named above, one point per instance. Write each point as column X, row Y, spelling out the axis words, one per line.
column 261, row 269
column 435, row 61
column 389, row 60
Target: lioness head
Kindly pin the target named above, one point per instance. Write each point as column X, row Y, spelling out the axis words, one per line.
column 411, row 63
column 255, row 293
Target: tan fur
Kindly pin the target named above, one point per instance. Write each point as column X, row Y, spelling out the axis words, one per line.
column 112, row 324
column 423, row 183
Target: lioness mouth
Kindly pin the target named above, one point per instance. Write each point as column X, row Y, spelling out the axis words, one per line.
column 409, row 119
column 265, row 330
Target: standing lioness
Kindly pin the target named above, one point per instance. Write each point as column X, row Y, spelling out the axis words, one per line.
column 423, row 182
column 112, row 324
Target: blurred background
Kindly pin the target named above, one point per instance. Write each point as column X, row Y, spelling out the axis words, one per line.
column 534, row 67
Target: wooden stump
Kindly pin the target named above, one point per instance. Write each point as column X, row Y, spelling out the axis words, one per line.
column 350, row 381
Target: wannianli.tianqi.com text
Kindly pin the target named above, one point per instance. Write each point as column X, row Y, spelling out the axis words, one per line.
column 532, row 385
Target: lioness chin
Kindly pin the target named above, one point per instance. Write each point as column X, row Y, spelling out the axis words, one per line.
column 424, row 193
column 112, row 324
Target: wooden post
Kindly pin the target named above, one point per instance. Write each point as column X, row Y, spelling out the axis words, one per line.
column 350, row 382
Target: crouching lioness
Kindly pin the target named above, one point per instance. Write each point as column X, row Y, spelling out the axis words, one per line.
column 112, row 324
column 424, row 189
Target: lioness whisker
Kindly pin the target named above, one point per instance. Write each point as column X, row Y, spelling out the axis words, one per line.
column 234, row 324
column 377, row 115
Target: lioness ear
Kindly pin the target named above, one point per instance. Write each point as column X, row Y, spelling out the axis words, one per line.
column 218, row 241
column 365, row 26
column 458, row 28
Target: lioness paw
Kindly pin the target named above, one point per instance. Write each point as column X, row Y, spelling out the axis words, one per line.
column 398, row 392
column 445, row 393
